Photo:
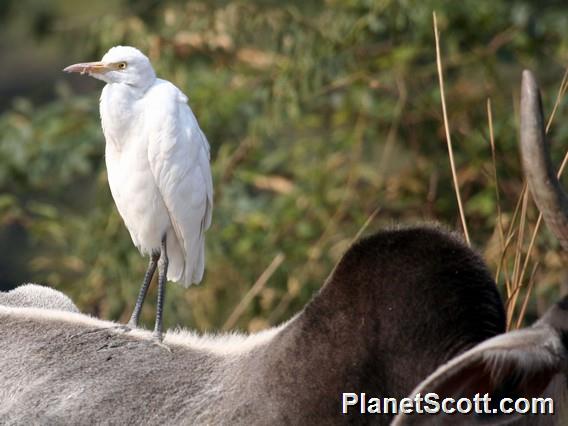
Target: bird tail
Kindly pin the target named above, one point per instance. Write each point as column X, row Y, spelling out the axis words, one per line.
column 194, row 264
column 187, row 266
column 199, row 264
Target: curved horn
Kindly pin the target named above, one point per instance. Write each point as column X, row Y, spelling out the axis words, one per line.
column 546, row 190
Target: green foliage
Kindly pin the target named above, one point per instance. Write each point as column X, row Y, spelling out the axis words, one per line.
column 317, row 114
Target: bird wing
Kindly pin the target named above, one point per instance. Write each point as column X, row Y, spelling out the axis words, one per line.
column 178, row 153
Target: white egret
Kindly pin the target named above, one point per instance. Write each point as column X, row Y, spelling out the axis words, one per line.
column 158, row 169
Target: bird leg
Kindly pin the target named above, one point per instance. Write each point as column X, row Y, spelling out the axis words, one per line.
column 162, row 274
column 133, row 323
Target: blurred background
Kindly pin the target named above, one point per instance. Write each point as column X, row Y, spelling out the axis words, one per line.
column 322, row 116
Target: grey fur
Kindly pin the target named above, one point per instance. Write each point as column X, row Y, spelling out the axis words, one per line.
column 37, row 296
column 387, row 305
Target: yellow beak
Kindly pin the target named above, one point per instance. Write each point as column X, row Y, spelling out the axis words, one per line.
column 89, row 68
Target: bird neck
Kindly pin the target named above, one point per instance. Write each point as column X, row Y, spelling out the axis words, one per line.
column 121, row 112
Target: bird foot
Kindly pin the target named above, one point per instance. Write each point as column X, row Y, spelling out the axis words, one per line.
column 157, row 340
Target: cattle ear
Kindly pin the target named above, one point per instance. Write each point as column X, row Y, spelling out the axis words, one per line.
column 520, row 364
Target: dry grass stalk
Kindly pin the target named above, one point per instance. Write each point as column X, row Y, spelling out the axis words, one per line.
column 253, row 291
column 447, row 129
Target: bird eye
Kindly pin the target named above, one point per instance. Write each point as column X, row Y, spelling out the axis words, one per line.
column 122, row 65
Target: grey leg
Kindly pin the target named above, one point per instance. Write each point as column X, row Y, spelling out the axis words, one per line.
column 162, row 274
column 133, row 323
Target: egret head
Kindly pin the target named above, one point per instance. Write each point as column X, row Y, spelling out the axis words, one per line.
column 121, row 64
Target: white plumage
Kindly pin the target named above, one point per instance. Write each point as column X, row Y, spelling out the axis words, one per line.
column 157, row 161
